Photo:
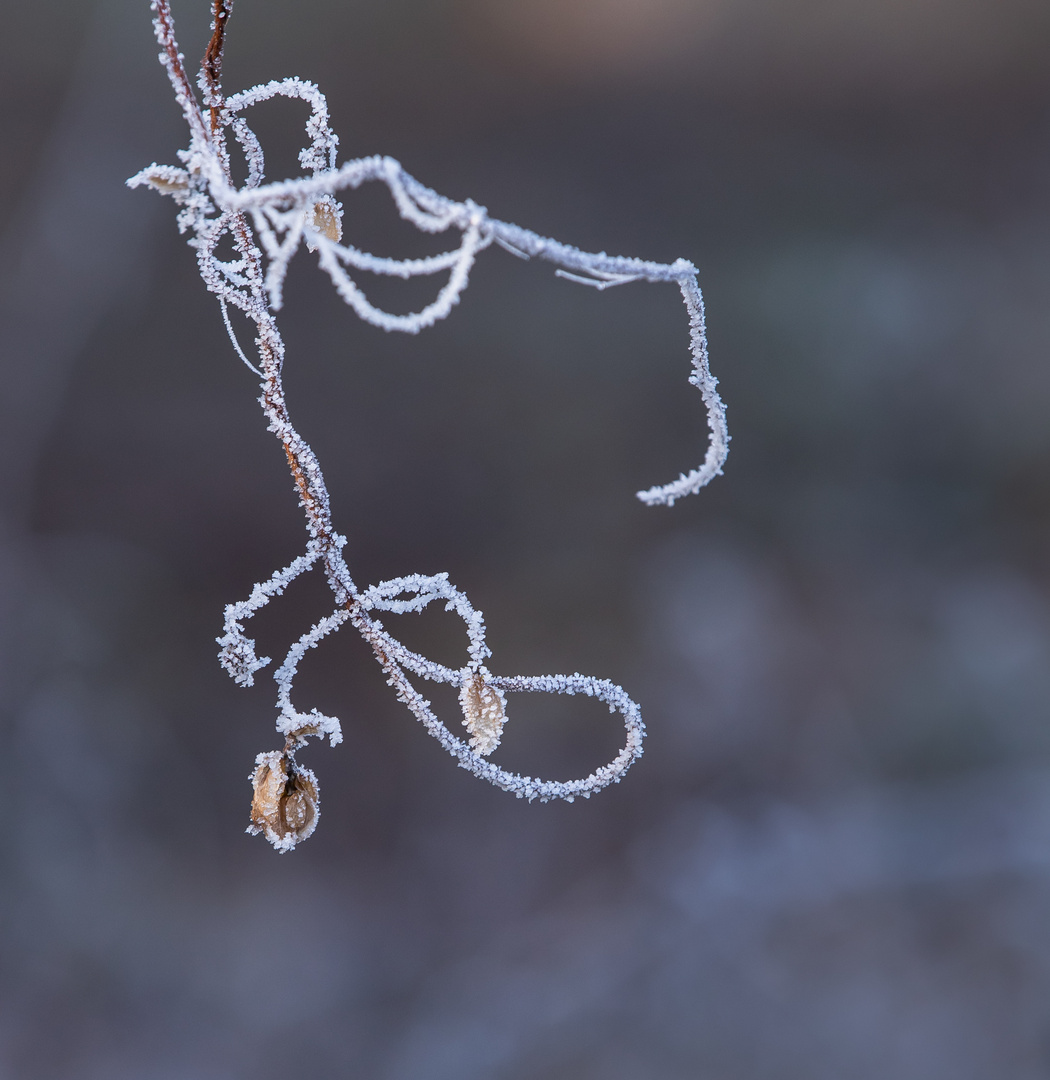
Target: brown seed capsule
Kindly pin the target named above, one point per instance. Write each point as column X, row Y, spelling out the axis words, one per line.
column 284, row 805
column 327, row 219
column 167, row 179
column 484, row 713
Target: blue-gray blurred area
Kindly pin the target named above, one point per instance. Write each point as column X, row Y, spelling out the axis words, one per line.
column 834, row 859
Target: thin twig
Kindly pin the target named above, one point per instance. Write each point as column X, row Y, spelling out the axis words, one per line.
column 211, row 65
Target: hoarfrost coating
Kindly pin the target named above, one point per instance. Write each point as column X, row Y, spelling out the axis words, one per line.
column 266, row 224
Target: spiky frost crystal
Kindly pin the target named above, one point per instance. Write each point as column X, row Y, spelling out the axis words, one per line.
column 267, row 223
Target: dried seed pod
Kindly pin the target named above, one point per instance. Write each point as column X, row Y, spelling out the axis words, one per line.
column 327, row 219
column 167, row 179
column 484, row 713
column 285, row 803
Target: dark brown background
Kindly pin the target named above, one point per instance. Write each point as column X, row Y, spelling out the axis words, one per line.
column 833, row 860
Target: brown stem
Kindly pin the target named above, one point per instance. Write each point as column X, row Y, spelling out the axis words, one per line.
column 171, row 47
column 180, row 80
column 304, row 466
column 211, row 65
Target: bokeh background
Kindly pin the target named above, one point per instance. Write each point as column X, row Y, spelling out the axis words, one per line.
column 834, row 859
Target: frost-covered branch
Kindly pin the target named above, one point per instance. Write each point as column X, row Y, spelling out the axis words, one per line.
column 267, row 223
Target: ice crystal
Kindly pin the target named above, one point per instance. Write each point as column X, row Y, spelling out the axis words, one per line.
column 267, row 223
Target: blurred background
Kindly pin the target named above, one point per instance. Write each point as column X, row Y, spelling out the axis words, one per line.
column 834, row 859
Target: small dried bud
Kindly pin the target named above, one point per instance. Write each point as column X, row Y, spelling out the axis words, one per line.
column 167, row 179
column 284, row 805
column 484, row 713
column 327, row 220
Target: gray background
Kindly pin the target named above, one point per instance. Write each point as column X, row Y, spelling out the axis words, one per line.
column 833, row 862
